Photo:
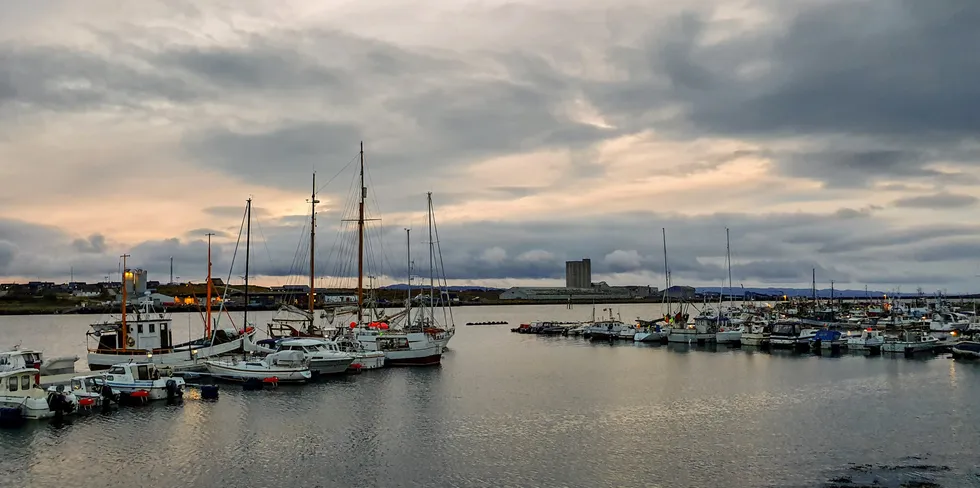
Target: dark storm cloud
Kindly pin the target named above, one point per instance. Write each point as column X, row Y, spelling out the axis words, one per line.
column 959, row 250
column 936, row 201
column 897, row 237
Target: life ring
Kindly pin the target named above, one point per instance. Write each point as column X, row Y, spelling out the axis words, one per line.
column 130, row 342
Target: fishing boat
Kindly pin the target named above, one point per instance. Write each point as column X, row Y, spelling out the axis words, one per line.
column 401, row 348
column 790, row 334
column 144, row 381
column 869, row 339
column 19, row 391
column 279, row 367
column 729, row 331
column 148, row 337
column 19, row 358
column 651, row 332
column 85, row 391
column 910, row 342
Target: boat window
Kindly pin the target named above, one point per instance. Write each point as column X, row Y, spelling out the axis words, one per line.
column 25, row 382
column 117, row 370
column 143, row 373
column 139, row 328
column 76, row 384
column 311, row 349
column 12, row 383
column 253, row 364
column 110, row 377
column 3, row 360
column 152, row 327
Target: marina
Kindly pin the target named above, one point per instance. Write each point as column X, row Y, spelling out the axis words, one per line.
column 771, row 399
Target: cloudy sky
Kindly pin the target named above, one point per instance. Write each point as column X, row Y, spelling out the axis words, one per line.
column 837, row 135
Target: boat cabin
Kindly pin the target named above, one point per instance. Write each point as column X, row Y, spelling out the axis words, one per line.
column 309, row 346
column 787, row 329
column 133, row 372
column 146, row 330
column 19, row 359
column 16, row 382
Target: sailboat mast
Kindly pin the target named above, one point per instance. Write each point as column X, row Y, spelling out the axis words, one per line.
column 666, row 272
column 125, row 300
column 360, row 243
column 432, row 281
column 311, row 298
column 248, row 240
column 408, row 304
column 207, row 306
column 728, row 251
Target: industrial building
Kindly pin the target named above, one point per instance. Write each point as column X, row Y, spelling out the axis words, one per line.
column 598, row 291
column 578, row 274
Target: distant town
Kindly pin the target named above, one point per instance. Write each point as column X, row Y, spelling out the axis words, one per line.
column 39, row 297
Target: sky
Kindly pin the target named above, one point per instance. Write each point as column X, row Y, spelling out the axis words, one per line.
column 836, row 135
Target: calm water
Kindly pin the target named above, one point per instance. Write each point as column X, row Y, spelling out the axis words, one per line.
column 513, row 410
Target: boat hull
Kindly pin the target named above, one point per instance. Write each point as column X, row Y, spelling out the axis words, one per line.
column 368, row 360
column 908, row 347
column 233, row 372
column 32, row 408
column 330, row 366
column 650, row 336
column 180, row 359
column 728, row 337
column 750, row 339
column 394, row 359
column 682, row 335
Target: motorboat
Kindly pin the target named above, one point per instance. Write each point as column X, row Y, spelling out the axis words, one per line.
column 325, row 356
column 869, row 339
column 790, row 334
column 757, row 335
column 278, row 367
column 966, row 350
column 363, row 358
column 401, row 348
column 86, row 391
column 144, row 381
column 728, row 332
column 605, row 330
column 910, row 342
column 19, row 358
column 19, row 390
column 651, row 332
column 828, row 339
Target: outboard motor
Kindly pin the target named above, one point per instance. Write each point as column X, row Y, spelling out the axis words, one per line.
column 173, row 391
column 107, row 398
column 59, row 403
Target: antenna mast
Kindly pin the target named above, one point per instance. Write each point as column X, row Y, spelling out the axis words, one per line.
column 310, row 299
column 125, row 301
column 360, row 243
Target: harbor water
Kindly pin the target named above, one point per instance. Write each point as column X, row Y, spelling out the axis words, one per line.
column 508, row 409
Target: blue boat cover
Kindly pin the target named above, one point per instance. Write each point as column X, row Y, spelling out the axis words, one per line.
column 827, row 335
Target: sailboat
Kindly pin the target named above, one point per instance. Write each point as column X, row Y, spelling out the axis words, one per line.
column 728, row 332
column 426, row 320
column 401, row 348
column 149, row 337
column 283, row 366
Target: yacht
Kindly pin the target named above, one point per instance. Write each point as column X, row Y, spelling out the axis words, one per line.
column 325, row 356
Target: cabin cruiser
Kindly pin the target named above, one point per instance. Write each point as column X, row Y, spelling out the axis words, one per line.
column 149, row 338
column 947, row 322
column 910, row 341
column 278, row 367
column 325, row 356
column 400, row 348
column 143, row 380
column 790, row 334
column 18, row 358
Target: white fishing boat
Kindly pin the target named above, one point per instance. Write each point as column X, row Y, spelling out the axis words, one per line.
column 757, row 335
column 363, row 358
column 19, row 390
column 868, row 339
column 144, row 380
column 278, row 367
column 85, row 391
column 19, row 358
column 628, row 333
column 728, row 333
column 910, row 342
